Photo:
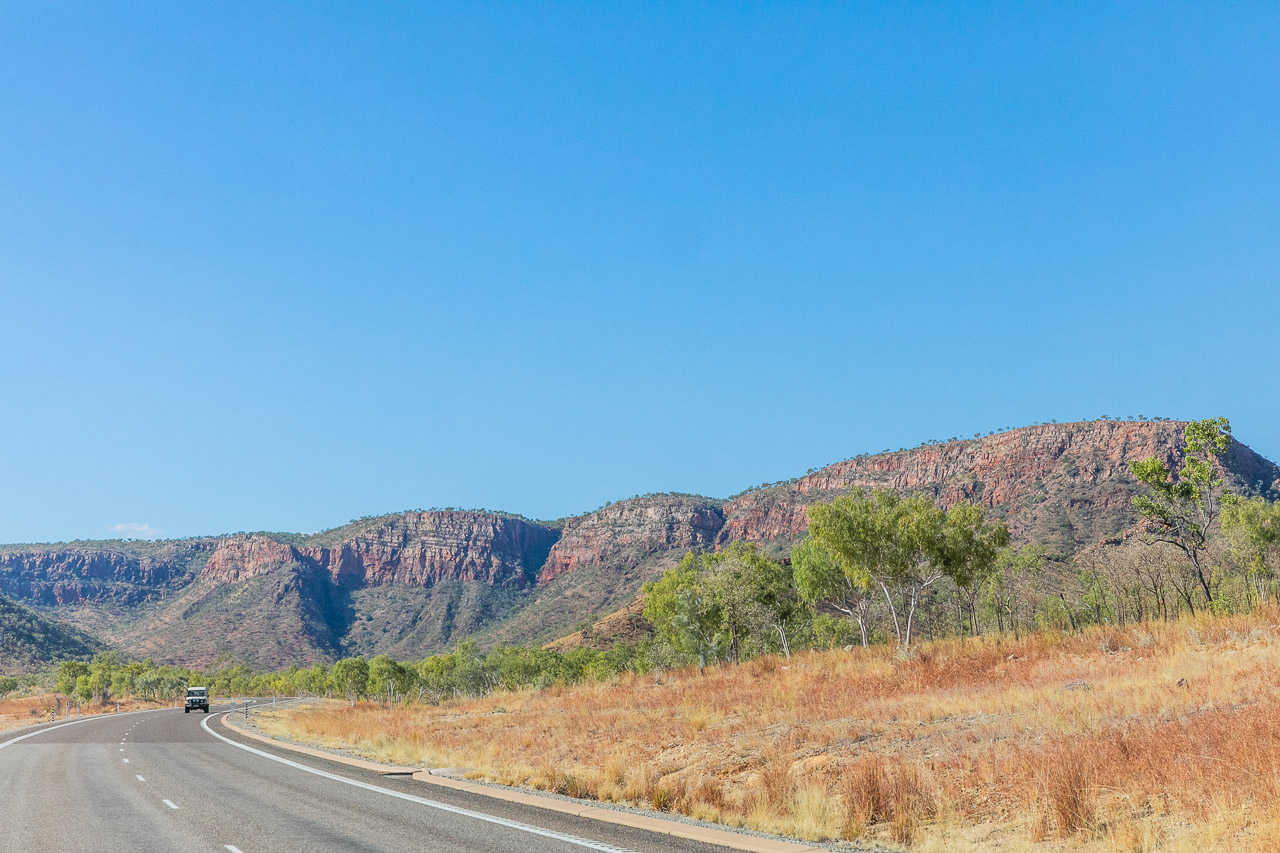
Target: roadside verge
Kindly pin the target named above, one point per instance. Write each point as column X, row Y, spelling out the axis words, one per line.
column 675, row 829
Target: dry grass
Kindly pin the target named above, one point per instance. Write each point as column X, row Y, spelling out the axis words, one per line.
column 29, row 710
column 1157, row 737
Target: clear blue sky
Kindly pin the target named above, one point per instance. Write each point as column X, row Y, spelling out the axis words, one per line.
column 271, row 266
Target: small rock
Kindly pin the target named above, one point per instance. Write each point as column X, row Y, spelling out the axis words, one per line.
column 1076, row 685
column 450, row 772
column 1182, row 682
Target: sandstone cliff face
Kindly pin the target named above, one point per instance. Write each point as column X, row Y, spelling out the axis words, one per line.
column 416, row 582
column 417, row 549
column 1073, row 478
column 243, row 557
column 66, row 574
column 634, row 528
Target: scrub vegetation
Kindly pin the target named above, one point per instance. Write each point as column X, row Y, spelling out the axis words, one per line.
column 1159, row 735
column 903, row 675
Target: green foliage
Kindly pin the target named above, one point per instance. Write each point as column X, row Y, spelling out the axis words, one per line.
column 825, row 578
column 1252, row 527
column 387, row 678
column 30, row 641
column 725, row 605
column 901, row 545
column 830, row 632
column 351, row 677
column 1009, row 592
column 1181, row 507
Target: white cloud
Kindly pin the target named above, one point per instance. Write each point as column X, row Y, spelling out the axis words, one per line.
column 136, row 530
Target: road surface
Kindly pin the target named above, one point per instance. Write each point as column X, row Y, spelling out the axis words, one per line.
column 160, row 781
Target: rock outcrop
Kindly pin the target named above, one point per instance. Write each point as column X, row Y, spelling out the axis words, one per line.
column 416, row 549
column 1067, row 485
column 124, row 574
column 416, row 582
column 634, row 529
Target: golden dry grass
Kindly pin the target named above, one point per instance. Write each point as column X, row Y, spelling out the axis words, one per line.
column 1157, row 737
column 30, row 710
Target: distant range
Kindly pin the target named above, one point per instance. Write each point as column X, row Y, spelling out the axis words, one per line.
column 416, row 583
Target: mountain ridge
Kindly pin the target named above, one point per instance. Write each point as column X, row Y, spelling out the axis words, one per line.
column 416, row 582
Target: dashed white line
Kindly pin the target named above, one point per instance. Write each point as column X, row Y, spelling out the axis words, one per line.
column 125, row 760
column 139, row 778
column 231, row 848
column 170, row 803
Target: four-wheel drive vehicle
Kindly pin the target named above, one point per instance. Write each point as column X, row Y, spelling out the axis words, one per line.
column 197, row 698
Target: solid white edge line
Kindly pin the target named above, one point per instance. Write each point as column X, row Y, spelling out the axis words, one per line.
column 94, row 718
column 488, row 818
column 170, row 804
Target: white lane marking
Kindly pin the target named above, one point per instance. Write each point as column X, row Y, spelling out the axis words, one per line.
column 122, row 749
column 125, row 760
column 488, row 818
column 169, row 803
column 96, row 717
column 139, row 778
column 233, row 849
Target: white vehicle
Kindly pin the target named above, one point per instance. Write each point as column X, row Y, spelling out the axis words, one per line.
column 198, row 698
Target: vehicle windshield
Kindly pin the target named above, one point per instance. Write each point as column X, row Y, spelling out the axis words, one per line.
column 197, row 691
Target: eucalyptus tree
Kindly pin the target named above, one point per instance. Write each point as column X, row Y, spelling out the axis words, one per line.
column 905, row 545
column 723, row 605
column 1253, row 528
column 351, row 677
column 1181, row 507
column 1007, row 592
column 969, row 549
column 824, row 578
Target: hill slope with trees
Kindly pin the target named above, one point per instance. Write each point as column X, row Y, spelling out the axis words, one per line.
column 415, row 583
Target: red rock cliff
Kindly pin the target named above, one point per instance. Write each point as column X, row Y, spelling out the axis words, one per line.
column 635, row 527
column 1063, row 483
column 415, row 549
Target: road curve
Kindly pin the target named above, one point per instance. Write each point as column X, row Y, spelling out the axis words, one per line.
column 158, row 781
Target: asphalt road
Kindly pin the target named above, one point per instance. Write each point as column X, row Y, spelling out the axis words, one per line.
column 160, row 781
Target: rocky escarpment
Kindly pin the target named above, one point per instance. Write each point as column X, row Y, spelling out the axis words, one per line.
column 633, row 529
column 1066, row 485
column 121, row 573
column 392, row 585
column 415, row 583
column 416, row 549
column 603, row 557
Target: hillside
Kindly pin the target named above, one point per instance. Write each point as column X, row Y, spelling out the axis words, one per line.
column 30, row 641
column 414, row 583
column 1156, row 736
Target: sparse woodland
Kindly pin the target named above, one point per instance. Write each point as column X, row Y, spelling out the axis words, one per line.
column 905, row 674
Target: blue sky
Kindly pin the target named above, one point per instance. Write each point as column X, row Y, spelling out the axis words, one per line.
column 278, row 266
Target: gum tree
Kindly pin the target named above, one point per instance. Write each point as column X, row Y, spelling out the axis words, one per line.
column 1253, row 529
column 823, row 578
column 1181, row 507
column 906, row 545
